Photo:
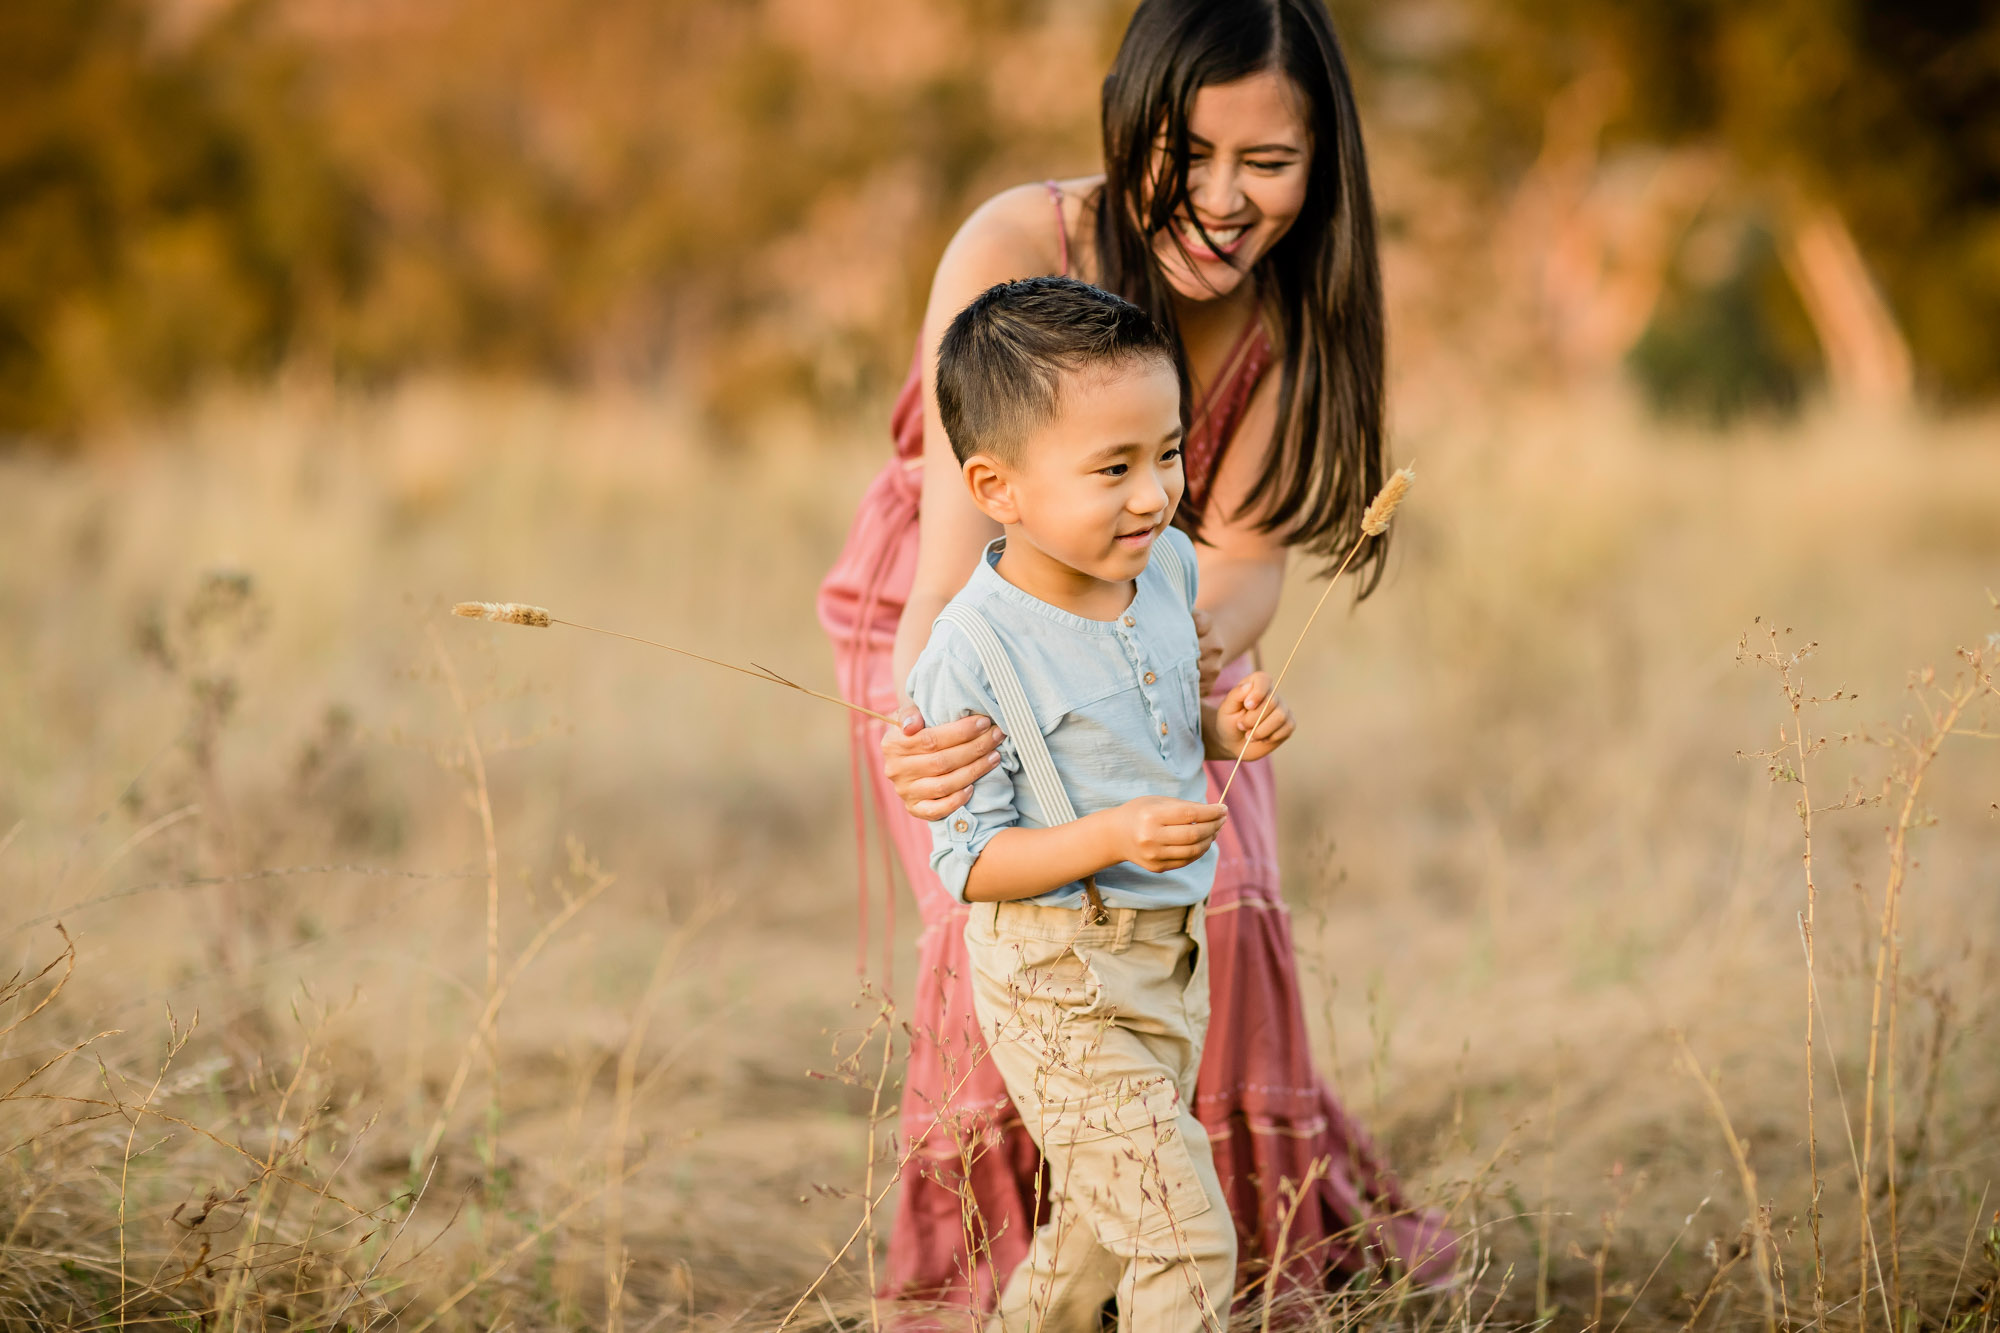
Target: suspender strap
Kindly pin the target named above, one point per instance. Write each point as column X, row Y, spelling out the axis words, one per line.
column 1170, row 561
column 1022, row 728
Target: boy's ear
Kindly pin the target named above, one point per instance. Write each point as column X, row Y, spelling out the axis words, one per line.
column 992, row 488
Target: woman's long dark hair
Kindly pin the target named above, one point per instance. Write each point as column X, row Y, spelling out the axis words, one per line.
column 1320, row 282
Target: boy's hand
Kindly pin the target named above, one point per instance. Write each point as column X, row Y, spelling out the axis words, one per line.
column 1159, row 833
column 1223, row 732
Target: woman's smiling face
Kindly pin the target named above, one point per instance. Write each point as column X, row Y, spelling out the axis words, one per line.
column 1248, row 154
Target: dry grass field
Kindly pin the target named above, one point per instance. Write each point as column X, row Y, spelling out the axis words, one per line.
column 281, row 1053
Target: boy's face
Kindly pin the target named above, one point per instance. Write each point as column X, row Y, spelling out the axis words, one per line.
column 1093, row 488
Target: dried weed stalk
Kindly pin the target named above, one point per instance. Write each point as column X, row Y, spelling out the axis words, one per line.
column 1939, row 710
column 518, row 613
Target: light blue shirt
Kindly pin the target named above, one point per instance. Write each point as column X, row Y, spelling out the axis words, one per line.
column 1119, row 705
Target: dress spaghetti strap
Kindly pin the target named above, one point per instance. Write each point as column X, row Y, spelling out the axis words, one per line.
column 1062, row 227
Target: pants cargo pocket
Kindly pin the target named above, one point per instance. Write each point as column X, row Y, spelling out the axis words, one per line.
column 1127, row 1166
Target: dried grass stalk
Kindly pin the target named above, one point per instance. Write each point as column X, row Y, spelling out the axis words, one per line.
column 520, row 613
column 507, row 613
column 1374, row 522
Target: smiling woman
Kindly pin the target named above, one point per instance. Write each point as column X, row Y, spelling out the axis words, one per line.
column 1235, row 210
column 1240, row 197
column 1234, row 160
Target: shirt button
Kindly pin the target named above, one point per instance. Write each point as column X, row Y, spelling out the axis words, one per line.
column 1129, row 622
column 1150, row 678
column 961, row 826
column 1163, row 728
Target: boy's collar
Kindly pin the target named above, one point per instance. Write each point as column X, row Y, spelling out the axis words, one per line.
column 988, row 576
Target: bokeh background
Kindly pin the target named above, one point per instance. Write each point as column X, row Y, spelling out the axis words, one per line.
column 1739, row 205
column 507, row 953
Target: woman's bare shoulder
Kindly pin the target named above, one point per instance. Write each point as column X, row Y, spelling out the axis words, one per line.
column 1014, row 234
column 1014, row 229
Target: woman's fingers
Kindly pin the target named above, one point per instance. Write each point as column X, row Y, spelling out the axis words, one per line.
column 958, row 782
column 937, row 750
column 950, row 735
column 932, row 811
column 933, row 769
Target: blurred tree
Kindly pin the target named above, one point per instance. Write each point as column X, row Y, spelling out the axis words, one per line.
column 744, row 197
column 1848, row 128
column 166, row 211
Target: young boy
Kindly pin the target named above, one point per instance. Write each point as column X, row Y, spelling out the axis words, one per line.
column 1088, row 851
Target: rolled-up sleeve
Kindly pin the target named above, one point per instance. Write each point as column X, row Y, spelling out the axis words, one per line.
column 947, row 684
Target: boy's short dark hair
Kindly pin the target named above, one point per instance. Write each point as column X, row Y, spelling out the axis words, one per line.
column 1001, row 363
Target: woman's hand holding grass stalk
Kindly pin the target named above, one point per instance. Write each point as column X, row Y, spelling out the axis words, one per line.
column 1374, row 522
column 933, row 769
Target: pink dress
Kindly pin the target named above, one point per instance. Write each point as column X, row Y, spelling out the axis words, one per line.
column 968, row 1194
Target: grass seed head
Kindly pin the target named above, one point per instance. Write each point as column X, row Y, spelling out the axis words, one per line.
column 1383, row 507
column 507, row 613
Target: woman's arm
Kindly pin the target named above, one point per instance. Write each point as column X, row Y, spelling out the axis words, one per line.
column 1012, row 235
column 1242, row 569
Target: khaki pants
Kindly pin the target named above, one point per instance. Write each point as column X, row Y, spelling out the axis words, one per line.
column 1097, row 1031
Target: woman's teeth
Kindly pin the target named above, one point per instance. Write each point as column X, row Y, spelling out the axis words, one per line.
column 1219, row 237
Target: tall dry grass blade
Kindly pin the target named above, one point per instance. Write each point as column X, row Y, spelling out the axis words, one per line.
column 1888, row 960
column 1374, row 522
column 14, row 987
column 1316, row 1168
column 526, row 1243
column 1802, row 749
column 1545, row 1230
column 1958, row 1278
column 868, row 1180
column 483, row 802
column 1679, row 1236
column 871, row 1203
column 1812, row 1118
column 1759, row 1226
column 598, row 883
column 1868, row 1247
column 520, row 613
column 366, row 1282
column 625, row 1096
column 176, row 1041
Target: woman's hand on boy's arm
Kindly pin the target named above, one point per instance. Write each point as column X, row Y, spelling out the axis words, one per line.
column 1224, row 725
column 1155, row 833
column 933, row 768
